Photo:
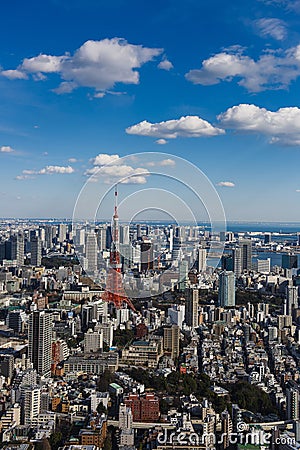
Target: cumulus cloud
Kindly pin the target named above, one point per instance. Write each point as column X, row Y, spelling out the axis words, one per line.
column 161, row 141
column 14, row 74
column 72, row 160
column 282, row 126
column 226, row 184
column 188, row 126
column 48, row 170
column 165, row 64
column 275, row 28
column 272, row 70
column 6, row 149
column 163, row 163
column 96, row 64
column 110, row 169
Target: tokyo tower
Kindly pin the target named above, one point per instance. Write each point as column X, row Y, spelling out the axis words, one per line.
column 115, row 292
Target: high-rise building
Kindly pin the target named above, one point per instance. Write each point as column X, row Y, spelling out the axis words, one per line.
column 40, row 340
column 31, row 407
column 15, row 319
column 227, row 262
column 292, row 403
column 125, row 417
column 93, row 341
column 91, row 251
column 62, row 232
column 202, row 259
column 268, row 238
column 291, row 299
column 171, row 340
column 246, row 246
column 146, row 248
column 183, row 274
column 289, row 261
column 262, row 265
column 50, row 233
column 237, row 261
column 17, row 248
column 124, row 234
column 36, row 251
column 226, row 289
column 191, row 308
column 176, row 314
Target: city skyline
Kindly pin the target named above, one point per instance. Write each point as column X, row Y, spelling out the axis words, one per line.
column 220, row 92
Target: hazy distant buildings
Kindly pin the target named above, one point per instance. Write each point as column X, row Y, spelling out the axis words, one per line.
column 226, row 289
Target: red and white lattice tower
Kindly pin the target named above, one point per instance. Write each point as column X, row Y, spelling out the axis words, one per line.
column 114, row 291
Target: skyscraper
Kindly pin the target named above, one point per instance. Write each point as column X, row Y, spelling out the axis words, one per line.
column 183, row 274
column 17, row 248
column 226, row 289
column 36, row 250
column 91, row 251
column 62, row 232
column 191, row 308
column 146, row 255
column 201, row 259
column 40, row 340
column 292, row 403
column 171, row 340
column 291, row 299
column 237, row 261
column 246, row 246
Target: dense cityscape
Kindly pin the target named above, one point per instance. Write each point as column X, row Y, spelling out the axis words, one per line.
column 149, row 225
column 208, row 353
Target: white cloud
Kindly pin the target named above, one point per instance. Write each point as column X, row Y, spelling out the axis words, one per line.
column 48, row 170
column 226, row 184
column 43, row 64
column 270, row 71
column 164, row 163
column 297, row 190
column 65, row 87
column 103, row 158
column 72, row 160
column 99, row 95
column 165, row 64
column 14, row 74
column 161, row 141
column 6, row 149
column 96, row 64
column 282, row 126
column 275, row 28
column 189, row 126
column 109, row 169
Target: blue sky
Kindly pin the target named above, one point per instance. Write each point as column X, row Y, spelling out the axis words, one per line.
column 216, row 83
